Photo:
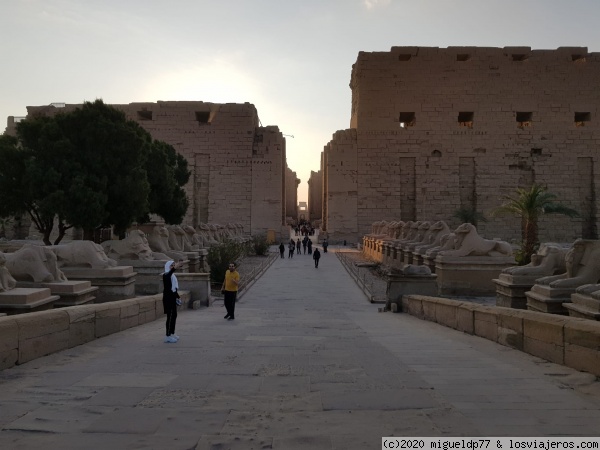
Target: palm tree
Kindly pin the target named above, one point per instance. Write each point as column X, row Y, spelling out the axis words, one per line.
column 469, row 215
column 529, row 205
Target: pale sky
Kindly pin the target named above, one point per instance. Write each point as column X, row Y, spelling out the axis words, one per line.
column 291, row 58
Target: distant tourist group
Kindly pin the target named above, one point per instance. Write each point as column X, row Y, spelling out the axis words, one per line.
column 306, row 246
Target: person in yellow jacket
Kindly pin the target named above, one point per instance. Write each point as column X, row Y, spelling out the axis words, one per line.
column 230, row 289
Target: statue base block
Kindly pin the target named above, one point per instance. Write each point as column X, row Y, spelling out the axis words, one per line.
column 148, row 275
column 469, row 275
column 24, row 300
column 399, row 285
column 583, row 306
column 418, row 259
column 546, row 299
column 71, row 293
column 113, row 283
column 407, row 257
column 198, row 284
column 429, row 261
column 510, row 290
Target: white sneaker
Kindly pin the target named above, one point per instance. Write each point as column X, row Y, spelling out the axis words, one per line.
column 170, row 340
column 175, row 336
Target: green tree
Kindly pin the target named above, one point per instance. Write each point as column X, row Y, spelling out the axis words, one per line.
column 86, row 168
column 529, row 204
column 167, row 174
column 89, row 168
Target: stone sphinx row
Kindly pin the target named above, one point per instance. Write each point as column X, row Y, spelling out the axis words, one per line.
column 561, row 279
column 166, row 238
column 35, row 277
column 464, row 262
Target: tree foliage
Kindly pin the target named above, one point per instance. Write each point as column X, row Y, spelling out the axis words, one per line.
column 469, row 215
column 529, row 204
column 219, row 257
column 167, row 172
column 90, row 168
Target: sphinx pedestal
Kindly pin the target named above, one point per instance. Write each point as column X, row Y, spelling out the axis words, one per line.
column 469, row 275
column 405, row 284
column 113, row 283
column 387, row 249
column 429, row 261
column 511, row 289
column 583, row 306
column 202, row 264
column 193, row 261
column 71, row 293
column 24, row 300
column 546, row 299
column 198, row 285
column 148, row 279
column 419, row 259
column 408, row 256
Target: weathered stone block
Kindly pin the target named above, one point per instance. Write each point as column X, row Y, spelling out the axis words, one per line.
column 82, row 328
column 43, row 345
column 510, row 328
column 544, row 349
column 446, row 313
column 485, row 323
column 582, row 358
column 42, row 323
column 108, row 319
column 9, row 342
column 130, row 310
column 465, row 319
column 428, row 309
column 415, row 306
column 583, row 333
column 544, row 327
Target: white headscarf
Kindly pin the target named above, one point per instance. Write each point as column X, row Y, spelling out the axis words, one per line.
column 174, row 282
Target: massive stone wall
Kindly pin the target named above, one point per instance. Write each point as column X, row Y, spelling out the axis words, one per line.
column 238, row 167
column 315, row 196
column 434, row 130
column 291, row 194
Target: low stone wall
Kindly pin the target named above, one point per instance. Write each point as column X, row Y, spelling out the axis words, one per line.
column 25, row 337
column 565, row 340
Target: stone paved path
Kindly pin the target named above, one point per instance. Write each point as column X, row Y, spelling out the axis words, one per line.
column 307, row 364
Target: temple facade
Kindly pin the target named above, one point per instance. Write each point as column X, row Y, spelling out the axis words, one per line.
column 238, row 168
column 435, row 130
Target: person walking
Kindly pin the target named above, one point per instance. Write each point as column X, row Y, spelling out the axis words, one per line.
column 316, row 257
column 291, row 248
column 304, row 243
column 230, row 290
column 281, row 249
column 170, row 300
column 298, row 245
column 309, row 245
column 325, row 244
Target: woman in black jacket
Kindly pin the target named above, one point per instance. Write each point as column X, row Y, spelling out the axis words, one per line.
column 170, row 300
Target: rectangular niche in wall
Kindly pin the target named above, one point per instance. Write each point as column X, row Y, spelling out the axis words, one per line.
column 407, row 119
column 203, row 117
column 144, row 115
column 524, row 119
column 581, row 118
column 465, row 119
